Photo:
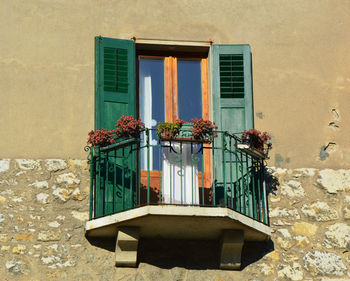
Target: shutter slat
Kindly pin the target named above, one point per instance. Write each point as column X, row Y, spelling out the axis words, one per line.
column 115, row 70
column 231, row 76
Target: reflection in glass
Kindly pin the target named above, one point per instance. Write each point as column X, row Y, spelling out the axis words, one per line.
column 189, row 89
column 189, row 83
column 151, row 75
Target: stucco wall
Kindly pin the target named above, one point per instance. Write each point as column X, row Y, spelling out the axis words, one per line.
column 300, row 69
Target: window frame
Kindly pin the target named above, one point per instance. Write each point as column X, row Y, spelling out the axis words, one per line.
column 170, row 85
column 171, row 92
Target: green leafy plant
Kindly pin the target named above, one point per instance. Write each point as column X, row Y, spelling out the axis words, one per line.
column 168, row 130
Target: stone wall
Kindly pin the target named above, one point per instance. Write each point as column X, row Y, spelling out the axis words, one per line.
column 44, row 205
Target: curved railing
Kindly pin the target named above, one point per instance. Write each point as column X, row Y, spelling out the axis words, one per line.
column 149, row 171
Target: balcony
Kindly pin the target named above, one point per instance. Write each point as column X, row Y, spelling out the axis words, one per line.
column 178, row 189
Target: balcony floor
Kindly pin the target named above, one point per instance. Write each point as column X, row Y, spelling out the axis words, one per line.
column 179, row 222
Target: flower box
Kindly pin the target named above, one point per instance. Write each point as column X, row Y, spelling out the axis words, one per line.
column 251, row 151
column 179, row 139
column 184, row 134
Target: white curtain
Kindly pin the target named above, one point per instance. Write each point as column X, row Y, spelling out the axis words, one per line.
column 146, row 117
column 180, row 178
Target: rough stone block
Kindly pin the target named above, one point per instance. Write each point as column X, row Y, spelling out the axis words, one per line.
column 319, row 211
column 334, row 181
column 305, row 229
column 323, row 263
column 338, row 235
column 4, row 165
column 231, row 248
column 54, row 165
column 126, row 246
column 291, row 272
column 292, row 189
column 28, row 164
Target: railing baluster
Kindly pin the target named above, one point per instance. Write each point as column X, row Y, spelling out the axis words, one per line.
column 106, row 190
column 214, row 175
column 160, row 153
column 264, row 201
column 224, row 167
column 92, row 165
column 253, row 188
column 203, row 174
column 123, row 178
column 247, row 185
column 139, row 172
column 115, row 180
column 237, row 185
column 131, row 164
column 258, row 190
column 231, row 176
column 192, row 171
column 182, row 178
column 99, row 198
column 242, row 187
column 148, row 166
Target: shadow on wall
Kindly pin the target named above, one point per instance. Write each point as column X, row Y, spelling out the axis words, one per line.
column 195, row 254
column 272, row 182
column 254, row 251
column 189, row 254
column 105, row 243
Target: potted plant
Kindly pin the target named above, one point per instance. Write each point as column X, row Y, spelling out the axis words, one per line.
column 257, row 140
column 128, row 127
column 203, row 130
column 168, row 131
column 101, row 137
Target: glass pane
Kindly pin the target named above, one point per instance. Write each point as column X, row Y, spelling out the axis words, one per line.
column 151, row 75
column 189, row 85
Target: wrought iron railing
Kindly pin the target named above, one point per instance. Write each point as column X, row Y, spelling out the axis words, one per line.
column 183, row 171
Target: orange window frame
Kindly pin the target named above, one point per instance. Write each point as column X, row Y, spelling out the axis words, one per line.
column 171, row 104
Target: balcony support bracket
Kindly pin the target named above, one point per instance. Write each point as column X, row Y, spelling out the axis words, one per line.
column 231, row 248
column 126, row 247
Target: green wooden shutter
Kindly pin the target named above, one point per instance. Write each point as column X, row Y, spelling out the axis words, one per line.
column 232, row 102
column 115, row 87
column 115, row 95
column 232, row 87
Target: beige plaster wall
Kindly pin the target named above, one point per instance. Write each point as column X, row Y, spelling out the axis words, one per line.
column 300, row 69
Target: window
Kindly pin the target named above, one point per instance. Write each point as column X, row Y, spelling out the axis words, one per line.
column 229, row 97
column 171, row 88
column 171, row 84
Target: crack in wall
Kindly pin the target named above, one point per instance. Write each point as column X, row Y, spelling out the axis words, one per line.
column 325, row 150
column 335, row 114
column 333, row 125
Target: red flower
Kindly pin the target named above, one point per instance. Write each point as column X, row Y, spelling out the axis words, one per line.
column 202, row 129
column 258, row 140
column 101, row 137
column 127, row 126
